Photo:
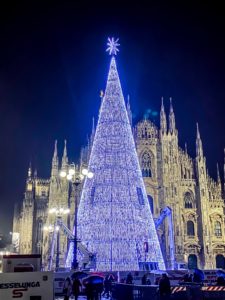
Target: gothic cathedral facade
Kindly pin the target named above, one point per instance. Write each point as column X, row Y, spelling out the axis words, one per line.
column 187, row 204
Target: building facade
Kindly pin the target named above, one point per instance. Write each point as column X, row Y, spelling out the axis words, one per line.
column 193, row 230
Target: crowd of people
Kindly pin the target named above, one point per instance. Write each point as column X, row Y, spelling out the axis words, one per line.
column 103, row 288
column 195, row 277
column 71, row 287
column 93, row 290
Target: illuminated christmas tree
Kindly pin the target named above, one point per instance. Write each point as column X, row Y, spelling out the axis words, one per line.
column 114, row 216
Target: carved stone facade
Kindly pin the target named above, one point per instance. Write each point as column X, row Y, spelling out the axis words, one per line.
column 172, row 179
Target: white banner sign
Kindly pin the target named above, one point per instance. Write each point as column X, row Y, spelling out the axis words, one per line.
column 26, row 286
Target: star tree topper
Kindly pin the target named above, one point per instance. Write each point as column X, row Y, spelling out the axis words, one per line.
column 112, row 46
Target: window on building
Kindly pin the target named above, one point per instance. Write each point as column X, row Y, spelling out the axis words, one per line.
column 43, row 193
column 217, row 229
column 190, row 228
column 192, row 261
column 188, row 200
column 146, row 165
column 220, row 261
column 151, row 204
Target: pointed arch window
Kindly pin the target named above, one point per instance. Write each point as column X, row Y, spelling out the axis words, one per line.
column 192, row 261
column 217, row 229
column 43, row 193
column 188, row 200
column 220, row 261
column 146, row 165
column 190, row 228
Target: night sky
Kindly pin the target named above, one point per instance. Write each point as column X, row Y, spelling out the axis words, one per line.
column 53, row 65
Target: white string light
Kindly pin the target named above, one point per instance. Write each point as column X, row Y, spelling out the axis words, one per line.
column 113, row 46
column 114, row 216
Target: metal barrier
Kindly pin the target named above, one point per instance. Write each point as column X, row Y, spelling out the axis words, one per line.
column 214, row 292
column 121, row 291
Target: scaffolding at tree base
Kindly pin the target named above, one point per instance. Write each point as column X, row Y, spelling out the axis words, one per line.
column 88, row 258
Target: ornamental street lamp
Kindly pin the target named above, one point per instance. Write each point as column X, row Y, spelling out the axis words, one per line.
column 76, row 176
column 58, row 212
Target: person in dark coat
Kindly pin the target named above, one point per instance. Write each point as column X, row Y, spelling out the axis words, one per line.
column 106, row 286
column 109, row 279
column 220, row 281
column 97, row 290
column 164, row 287
column 186, row 279
column 76, row 288
column 129, row 279
column 129, row 289
column 67, row 287
column 89, row 291
column 144, row 279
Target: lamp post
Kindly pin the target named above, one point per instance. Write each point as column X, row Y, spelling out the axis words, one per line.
column 75, row 176
column 58, row 212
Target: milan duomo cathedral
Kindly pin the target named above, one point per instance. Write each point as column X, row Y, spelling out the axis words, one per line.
column 187, row 205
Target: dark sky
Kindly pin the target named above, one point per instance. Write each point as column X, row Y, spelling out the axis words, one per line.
column 53, row 65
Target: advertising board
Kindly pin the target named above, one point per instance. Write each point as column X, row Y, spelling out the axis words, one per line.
column 27, row 286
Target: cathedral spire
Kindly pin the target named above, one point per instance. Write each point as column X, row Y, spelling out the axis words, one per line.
column 65, row 149
column 64, row 158
column 29, row 181
column 199, row 150
column 129, row 112
column 185, row 145
column 55, row 155
column 163, row 123
column 172, row 125
column 218, row 173
column 198, row 133
column 29, row 171
column 55, row 161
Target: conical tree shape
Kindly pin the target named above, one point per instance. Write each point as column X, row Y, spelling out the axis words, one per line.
column 114, row 217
